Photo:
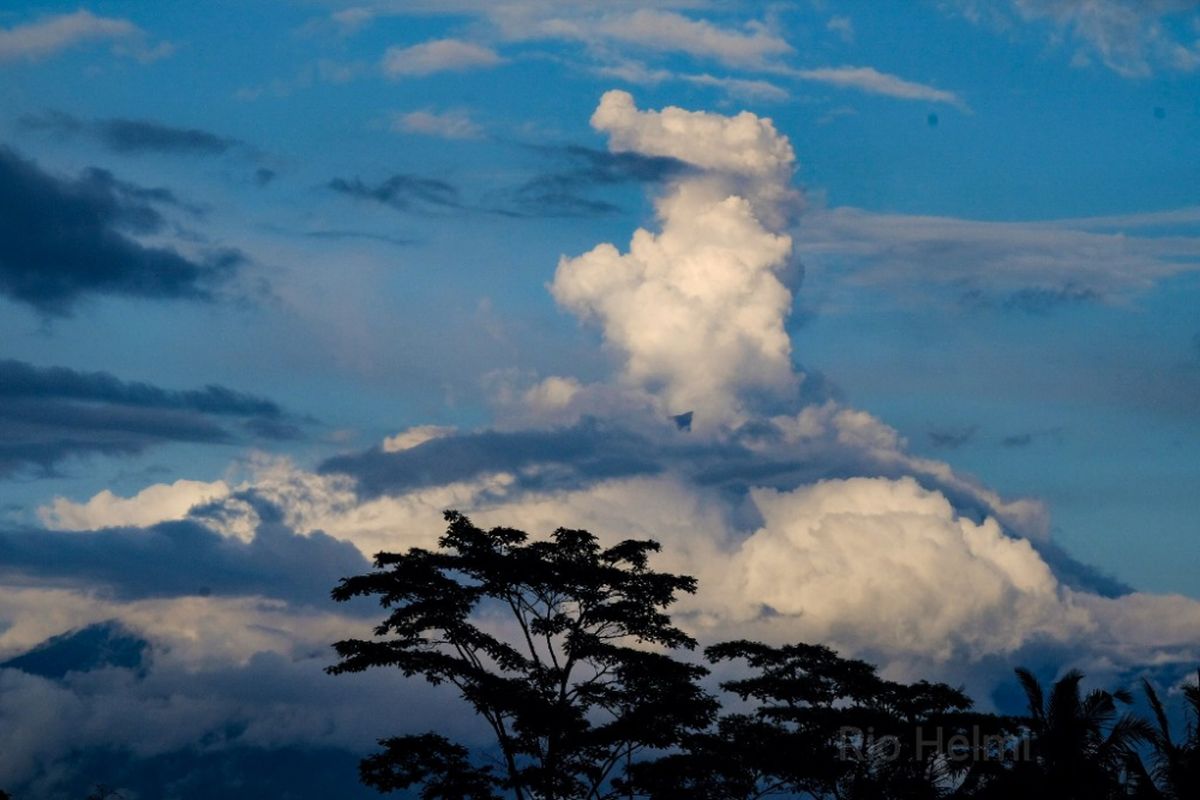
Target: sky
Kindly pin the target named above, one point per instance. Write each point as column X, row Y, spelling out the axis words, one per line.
column 281, row 280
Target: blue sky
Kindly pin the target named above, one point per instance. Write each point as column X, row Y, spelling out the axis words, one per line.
column 350, row 217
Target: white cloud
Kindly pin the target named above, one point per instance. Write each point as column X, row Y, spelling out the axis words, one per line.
column 454, row 124
column 351, row 20
column 672, row 32
column 696, row 309
column 864, row 79
column 842, row 26
column 834, row 114
column 418, row 435
column 846, row 438
column 887, row 565
column 309, row 502
column 524, row 402
column 616, row 24
column 872, row 565
column 438, row 55
column 51, row 35
column 156, row 503
column 744, row 144
column 751, row 89
column 748, row 88
column 872, row 81
column 551, row 394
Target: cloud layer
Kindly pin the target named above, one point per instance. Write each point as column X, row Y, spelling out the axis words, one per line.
column 50, row 415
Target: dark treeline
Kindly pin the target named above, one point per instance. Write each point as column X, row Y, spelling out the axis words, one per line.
column 591, row 692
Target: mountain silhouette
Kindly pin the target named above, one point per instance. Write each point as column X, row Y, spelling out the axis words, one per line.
column 104, row 644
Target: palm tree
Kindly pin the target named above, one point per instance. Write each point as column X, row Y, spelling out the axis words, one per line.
column 1175, row 774
column 1081, row 746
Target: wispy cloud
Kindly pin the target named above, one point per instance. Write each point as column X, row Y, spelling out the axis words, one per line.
column 403, row 192
column 49, row 36
column 52, row 35
column 439, row 55
column 453, row 124
column 872, row 81
column 1028, row 266
column 132, row 136
column 1131, row 37
column 671, row 32
column 324, row 70
column 639, row 74
column 843, row 27
column 609, row 27
column 351, row 20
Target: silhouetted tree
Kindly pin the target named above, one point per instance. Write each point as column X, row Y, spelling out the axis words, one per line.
column 1081, row 745
column 827, row 726
column 1175, row 774
column 582, row 683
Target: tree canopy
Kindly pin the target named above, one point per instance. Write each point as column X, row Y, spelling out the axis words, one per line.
column 565, row 650
column 582, row 681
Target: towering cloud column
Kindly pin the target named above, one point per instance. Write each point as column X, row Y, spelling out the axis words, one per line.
column 697, row 310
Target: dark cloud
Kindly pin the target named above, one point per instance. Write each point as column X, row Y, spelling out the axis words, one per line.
column 1078, row 575
column 40, row 435
column 567, row 456
column 552, row 196
column 50, row 414
column 264, row 176
column 952, row 438
column 20, row 379
column 403, row 192
column 594, row 449
column 1034, row 300
column 1043, row 301
column 183, row 558
column 63, row 239
column 588, row 166
column 1026, row 438
column 134, row 136
column 565, row 192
